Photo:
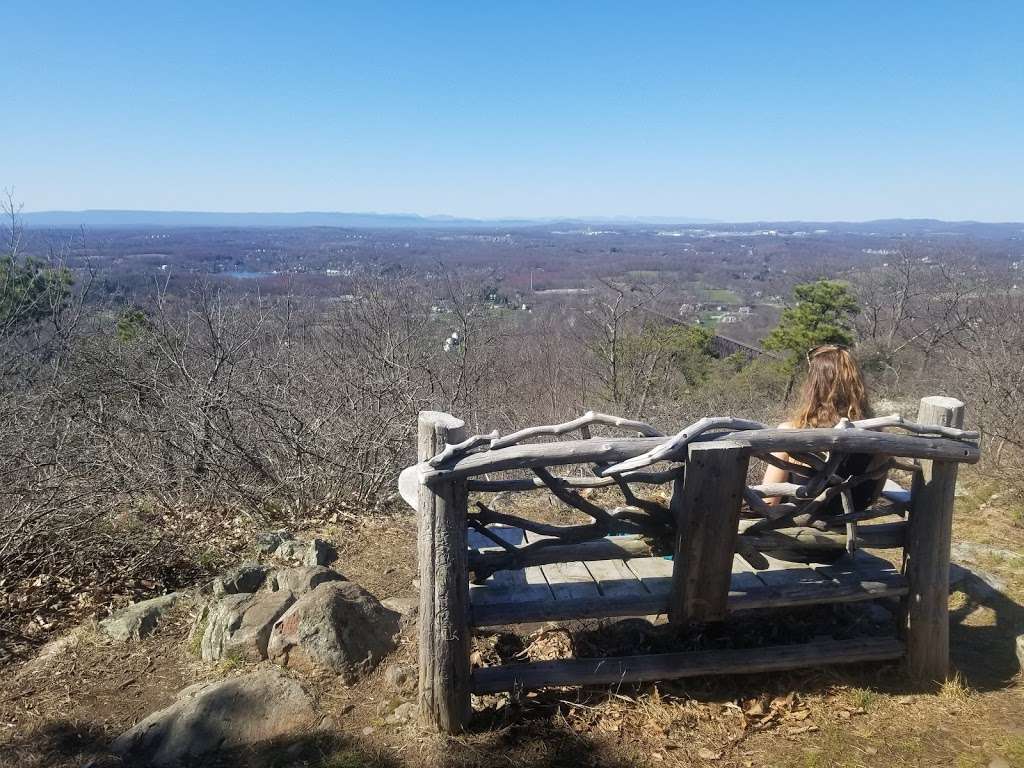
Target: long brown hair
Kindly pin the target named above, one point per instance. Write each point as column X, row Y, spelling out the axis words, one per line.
column 834, row 389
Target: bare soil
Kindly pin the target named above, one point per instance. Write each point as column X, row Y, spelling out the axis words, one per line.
column 64, row 709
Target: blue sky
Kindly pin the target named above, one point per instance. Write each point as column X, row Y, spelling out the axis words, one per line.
column 733, row 111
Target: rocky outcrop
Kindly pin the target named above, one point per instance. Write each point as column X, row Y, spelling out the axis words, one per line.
column 219, row 717
column 248, row 577
column 338, row 627
column 239, row 626
column 303, row 579
column 138, row 620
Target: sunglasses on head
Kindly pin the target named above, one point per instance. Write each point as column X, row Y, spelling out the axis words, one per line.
column 822, row 348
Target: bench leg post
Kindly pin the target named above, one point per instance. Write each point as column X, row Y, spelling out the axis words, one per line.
column 925, row 615
column 444, row 683
column 707, row 513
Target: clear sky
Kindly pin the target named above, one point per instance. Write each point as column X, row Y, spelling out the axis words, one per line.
column 725, row 110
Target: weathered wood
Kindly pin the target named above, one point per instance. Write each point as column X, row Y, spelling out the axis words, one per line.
column 868, row 578
column 581, row 423
column 926, row 556
column 880, row 536
column 668, row 666
column 614, row 548
column 614, row 579
column 444, row 692
column 567, row 580
column 535, row 483
column 458, row 449
column 707, row 509
column 614, row 450
column 679, row 442
column 654, row 572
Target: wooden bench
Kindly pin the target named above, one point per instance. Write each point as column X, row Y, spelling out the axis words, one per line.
column 717, row 537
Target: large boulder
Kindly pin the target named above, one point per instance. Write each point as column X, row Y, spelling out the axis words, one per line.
column 339, row 627
column 238, row 626
column 138, row 620
column 248, row 577
column 301, row 580
column 219, row 717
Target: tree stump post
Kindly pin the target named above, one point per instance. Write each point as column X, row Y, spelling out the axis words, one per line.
column 925, row 619
column 444, row 685
column 706, row 506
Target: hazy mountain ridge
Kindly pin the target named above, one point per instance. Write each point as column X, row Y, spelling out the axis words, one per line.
column 122, row 219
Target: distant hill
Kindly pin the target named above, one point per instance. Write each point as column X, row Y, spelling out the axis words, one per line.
column 115, row 219
column 119, row 219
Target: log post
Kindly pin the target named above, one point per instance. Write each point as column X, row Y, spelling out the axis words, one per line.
column 925, row 619
column 444, row 683
column 706, row 506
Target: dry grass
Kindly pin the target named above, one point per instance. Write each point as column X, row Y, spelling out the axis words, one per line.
column 63, row 712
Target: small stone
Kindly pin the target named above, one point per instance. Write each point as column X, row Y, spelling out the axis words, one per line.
column 138, row 620
column 406, row 607
column 269, row 542
column 303, row 579
column 240, row 625
column 225, row 716
column 998, row 762
column 290, row 549
column 1019, row 649
column 248, row 577
column 400, row 676
column 368, row 730
column 319, row 552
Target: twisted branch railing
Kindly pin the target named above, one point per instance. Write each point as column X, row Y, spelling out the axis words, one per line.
column 807, row 518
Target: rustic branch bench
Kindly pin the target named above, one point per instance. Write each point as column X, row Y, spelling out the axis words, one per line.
column 731, row 550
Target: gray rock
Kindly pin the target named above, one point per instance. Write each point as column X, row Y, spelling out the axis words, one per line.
column 268, row 542
column 338, row 627
column 319, row 552
column 239, row 626
column 969, row 552
column 303, row 579
column 407, row 607
column 138, row 620
column 403, row 714
column 290, row 549
column 211, row 718
column 248, row 577
column 976, row 583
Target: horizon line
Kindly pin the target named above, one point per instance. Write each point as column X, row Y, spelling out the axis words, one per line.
column 453, row 218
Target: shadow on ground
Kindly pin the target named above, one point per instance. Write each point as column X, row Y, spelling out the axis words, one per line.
column 986, row 655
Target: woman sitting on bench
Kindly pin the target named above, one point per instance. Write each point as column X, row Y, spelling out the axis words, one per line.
column 834, row 389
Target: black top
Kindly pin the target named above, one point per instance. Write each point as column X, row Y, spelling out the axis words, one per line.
column 864, row 493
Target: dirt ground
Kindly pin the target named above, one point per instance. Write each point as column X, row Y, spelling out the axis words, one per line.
column 64, row 709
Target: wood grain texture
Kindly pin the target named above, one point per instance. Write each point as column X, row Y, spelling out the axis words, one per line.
column 444, row 692
column 668, row 666
column 707, row 509
column 925, row 617
column 615, row 450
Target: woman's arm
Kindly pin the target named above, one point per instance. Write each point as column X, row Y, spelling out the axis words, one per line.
column 775, row 474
